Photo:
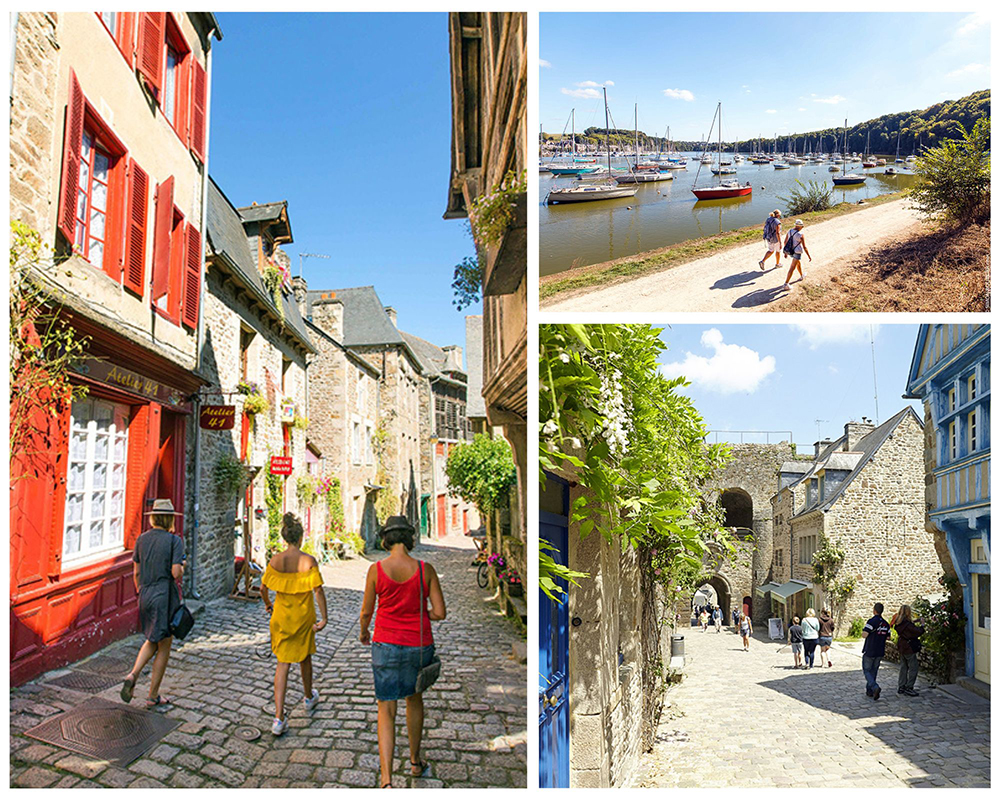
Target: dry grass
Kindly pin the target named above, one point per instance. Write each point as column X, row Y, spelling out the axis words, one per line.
column 937, row 269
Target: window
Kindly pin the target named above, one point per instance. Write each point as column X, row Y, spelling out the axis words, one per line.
column 120, row 25
column 95, row 495
column 92, row 227
column 246, row 337
column 171, row 83
column 356, row 443
column 951, row 400
column 286, row 378
column 779, row 558
column 973, row 441
column 952, row 440
column 109, row 18
column 972, row 387
column 807, row 546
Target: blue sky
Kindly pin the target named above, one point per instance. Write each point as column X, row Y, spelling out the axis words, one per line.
column 774, row 73
column 785, row 377
column 348, row 118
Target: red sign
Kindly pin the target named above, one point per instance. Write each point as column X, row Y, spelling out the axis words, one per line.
column 281, row 465
column 218, row 418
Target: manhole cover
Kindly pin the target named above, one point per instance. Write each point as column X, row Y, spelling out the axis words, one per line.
column 247, row 733
column 90, row 682
column 112, row 665
column 105, row 731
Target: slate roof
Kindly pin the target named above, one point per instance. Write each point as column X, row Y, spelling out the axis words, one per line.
column 864, row 450
column 227, row 238
column 262, row 211
column 365, row 320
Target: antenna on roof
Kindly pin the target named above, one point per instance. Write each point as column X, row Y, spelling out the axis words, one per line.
column 871, row 332
column 309, row 255
column 818, row 422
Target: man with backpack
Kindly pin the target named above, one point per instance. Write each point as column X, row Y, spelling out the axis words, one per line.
column 772, row 237
column 875, row 633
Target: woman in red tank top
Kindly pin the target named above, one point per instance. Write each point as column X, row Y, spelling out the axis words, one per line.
column 402, row 625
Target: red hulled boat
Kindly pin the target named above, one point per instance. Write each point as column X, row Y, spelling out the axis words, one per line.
column 723, row 190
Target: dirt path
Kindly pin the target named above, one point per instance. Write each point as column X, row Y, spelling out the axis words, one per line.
column 732, row 281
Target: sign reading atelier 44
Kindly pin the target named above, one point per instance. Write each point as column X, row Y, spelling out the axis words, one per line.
column 281, row 465
column 218, row 418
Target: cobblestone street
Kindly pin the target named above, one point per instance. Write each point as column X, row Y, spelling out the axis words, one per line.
column 220, row 680
column 750, row 719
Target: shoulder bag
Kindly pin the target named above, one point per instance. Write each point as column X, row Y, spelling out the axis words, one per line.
column 181, row 621
column 430, row 673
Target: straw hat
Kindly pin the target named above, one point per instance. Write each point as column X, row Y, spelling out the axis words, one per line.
column 163, row 506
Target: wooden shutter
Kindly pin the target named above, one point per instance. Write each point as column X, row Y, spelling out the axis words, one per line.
column 152, row 38
column 192, row 278
column 72, row 139
column 199, row 97
column 162, row 225
column 135, row 229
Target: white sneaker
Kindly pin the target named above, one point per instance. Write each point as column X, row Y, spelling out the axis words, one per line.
column 312, row 702
column 279, row 726
column 787, row 288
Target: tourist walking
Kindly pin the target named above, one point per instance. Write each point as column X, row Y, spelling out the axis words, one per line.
column 810, row 635
column 746, row 630
column 717, row 619
column 772, row 239
column 704, row 620
column 795, row 245
column 157, row 565
column 908, row 635
column 795, row 640
column 403, row 643
column 736, row 618
column 294, row 578
column 825, row 641
column 875, row 633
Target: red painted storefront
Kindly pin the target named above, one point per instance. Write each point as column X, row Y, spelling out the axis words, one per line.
column 61, row 614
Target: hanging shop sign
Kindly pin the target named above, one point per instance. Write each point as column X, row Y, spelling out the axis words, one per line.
column 217, row 418
column 113, row 375
column 281, row 465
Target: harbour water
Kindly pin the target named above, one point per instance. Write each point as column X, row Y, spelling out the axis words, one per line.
column 664, row 213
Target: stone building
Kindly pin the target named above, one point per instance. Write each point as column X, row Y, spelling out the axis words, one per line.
column 950, row 372
column 109, row 130
column 864, row 493
column 248, row 339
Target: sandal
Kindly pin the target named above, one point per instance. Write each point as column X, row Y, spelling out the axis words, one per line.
column 153, row 702
column 424, row 768
column 128, row 687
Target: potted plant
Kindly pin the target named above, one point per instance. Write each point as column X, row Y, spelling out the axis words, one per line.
column 254, row 401
column 497, row 562
column 513, row 580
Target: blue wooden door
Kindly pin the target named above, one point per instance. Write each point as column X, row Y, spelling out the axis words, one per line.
column 553, row 660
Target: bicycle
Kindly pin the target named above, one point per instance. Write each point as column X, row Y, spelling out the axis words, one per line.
column 483, row 574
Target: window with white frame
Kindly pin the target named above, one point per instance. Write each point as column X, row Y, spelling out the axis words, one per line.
column 972, row 387
column 973, row 441
column 356, row 442
column 95, row 495
column 807, row 546
column 952, row 440
column 369, row 450
column 951, row 399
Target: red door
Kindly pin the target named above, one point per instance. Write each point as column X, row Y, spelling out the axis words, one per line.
column 442, row 522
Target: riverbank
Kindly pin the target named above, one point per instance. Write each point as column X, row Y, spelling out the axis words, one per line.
column 721, row 273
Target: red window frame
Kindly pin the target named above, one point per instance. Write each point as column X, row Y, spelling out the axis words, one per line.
column 174, row 40
column 123, row 33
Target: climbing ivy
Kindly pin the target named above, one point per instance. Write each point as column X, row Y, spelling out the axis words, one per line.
column 273, row 499
column 826, row 563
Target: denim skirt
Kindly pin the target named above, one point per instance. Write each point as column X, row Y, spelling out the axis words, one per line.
column 396, row 666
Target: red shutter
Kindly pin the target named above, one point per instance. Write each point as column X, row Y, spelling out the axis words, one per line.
column 199, row 97
column 135, row 229
column 162, row 225
column 72, row 138
column 192, row 278
column 137, row 474
column 152, row 38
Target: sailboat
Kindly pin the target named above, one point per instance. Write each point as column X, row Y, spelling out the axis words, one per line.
column 869, row 160
column 725, row 189
column 853, row 179
column 575, row 168
column 642, row 173
column 898, row 159
column 600, row 191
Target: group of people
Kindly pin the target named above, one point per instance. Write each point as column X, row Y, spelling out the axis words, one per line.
column 794, row 246
column 812, row 632
column 712, row 615
column 406, row 591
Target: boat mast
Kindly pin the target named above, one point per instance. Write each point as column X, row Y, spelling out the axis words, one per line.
column 573, row 115
column 607, row 130
column 636, row 137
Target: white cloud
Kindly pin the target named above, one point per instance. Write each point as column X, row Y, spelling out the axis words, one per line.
column 732, row 368
column 543, row 63
column 833, row 369
column 609, row 83
column 584, row 93
column 832, row 100
column 816, row 335
column 679, row 94
column 594, row 84
column 801, row 109
column 972, row 23
column 968, row 69
column 771, row 111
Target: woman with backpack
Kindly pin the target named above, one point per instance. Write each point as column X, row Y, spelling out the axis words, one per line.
column 795, row 246
column 908, row 644
column 772, row 237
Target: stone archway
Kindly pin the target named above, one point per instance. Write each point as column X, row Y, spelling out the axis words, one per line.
column 738, row 508
column 723, row 594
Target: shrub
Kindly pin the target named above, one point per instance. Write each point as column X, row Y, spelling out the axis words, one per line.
column 273, row 499
column 481, row 472
column 856, row 629
column 305, row 488
column 812, row 196
column 230, row 477
column 953, row 179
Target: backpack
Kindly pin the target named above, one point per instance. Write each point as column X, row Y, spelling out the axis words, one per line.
column 770, row 228
column 789, row 249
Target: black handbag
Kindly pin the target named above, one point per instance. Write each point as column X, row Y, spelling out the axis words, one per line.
column 181, row 621
column 427, row 675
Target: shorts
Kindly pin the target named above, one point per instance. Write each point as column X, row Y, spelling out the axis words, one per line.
column 796, row 647
column 797, row 255
column 825, row 641
column 774, row 246
column 395, row 667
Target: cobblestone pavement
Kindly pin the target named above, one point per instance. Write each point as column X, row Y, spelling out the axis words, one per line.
column 221, row 679
column 750, row 719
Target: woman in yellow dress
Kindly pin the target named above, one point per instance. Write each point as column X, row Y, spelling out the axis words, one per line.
column 294, row 578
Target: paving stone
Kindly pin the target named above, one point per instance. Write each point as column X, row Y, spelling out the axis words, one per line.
column 80, row 765
column 227, row 776
column 36, row 778
column 151, row 768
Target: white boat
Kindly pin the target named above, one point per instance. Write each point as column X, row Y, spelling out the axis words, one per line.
column 851, row 179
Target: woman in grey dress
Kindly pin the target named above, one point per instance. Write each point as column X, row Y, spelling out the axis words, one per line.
column 158, row 563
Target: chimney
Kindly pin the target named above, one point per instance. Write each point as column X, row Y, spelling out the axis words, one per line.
column 299, row 289
column 328, row 315
column 820, row 446
column 453, row 358
column 392, row 315
column 854, row 432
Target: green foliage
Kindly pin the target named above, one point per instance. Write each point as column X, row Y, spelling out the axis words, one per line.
column 491, row 214
column 300, row 423
column 305, row 489
column 468, row 283
column 255, row 404
column 826, row 563
column 273, row 498
column 944, row 625
column 953, row 179
column 629, row 437
column 806, row 197
column 386, row 502
column 353, row 542
column 330, row 489
column 857, row 628
column 43, row 348
column 272, row 278
column 549, row 572
column 481, row 472
column 230, row 477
